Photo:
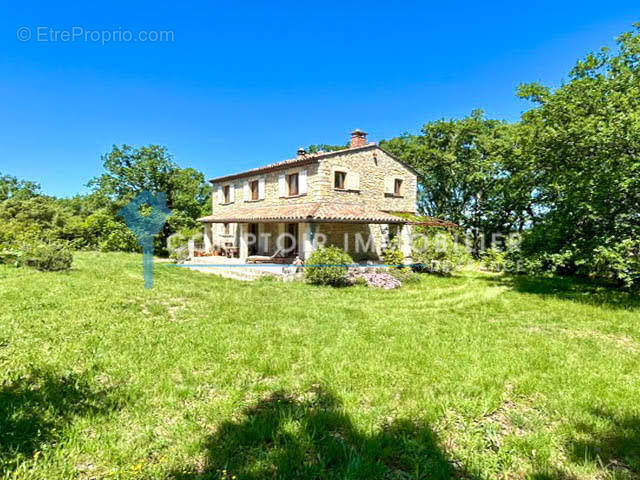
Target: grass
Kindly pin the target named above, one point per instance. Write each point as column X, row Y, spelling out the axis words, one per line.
column 473, row 376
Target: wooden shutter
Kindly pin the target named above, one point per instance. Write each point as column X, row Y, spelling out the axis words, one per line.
column 302, row 182
column 261, row 188
column 352, row 181
column 389, row 185
column 247, row 194
column 282, row 186
column 220, row 194
column 232, row 194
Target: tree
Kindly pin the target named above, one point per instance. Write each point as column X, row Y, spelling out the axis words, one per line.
column 587, row 150
column 473, row 172
column 11, row 187
column 131, row 170
column 323, row 147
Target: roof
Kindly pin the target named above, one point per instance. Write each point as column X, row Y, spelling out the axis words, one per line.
column 305, row 212
column 305, row 160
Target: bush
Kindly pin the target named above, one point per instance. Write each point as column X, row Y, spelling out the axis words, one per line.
column 374, row 279
column 49, row 257
column 336, row 274
column 393, row 256
column 120, row 239
column 12, row 256
column 367, row 256
column 494, row 259
column 437, row 251
column 619, row 263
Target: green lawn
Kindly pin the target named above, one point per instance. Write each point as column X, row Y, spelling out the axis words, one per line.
column 474, row 376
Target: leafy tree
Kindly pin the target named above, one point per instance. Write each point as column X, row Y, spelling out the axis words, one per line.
column 587, row 152
column 131, row 170
column 323, row 147
column 473, row 172
column 11, row 187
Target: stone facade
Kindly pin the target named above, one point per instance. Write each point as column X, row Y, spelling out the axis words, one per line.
column 370, row 179
column 373, row 166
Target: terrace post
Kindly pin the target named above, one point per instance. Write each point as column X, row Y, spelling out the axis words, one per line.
column 405, row 242
column 307, row 235
column 208, row 244
column 243, row 252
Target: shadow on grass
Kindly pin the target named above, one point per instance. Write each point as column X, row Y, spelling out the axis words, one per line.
column 36, row 407
column 616, row 448
column 310, row 436
column 572, row 289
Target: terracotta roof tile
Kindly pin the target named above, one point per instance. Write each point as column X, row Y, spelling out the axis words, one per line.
column 292, row 162
column 305, row 212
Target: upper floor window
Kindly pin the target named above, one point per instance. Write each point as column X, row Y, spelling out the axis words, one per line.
column 292, row 182
column 226, row 192
column 255, row 189
column 339, row 180
column 397, row 187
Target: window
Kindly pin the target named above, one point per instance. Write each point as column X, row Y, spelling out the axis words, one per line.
column 339, row 180
column 225, row 227
column 254, row 186
column 397, row 187
column 226, row 193
column 292, row 181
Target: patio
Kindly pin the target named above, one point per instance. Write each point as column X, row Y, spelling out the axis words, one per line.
column 237, row 269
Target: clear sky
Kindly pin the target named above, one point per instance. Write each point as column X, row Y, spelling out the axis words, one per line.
column 241, row 84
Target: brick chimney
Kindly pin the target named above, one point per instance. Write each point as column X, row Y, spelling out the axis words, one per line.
column 358, row 139
column 301, row 153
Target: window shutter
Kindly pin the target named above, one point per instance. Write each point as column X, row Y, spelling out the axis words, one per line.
column 246, row 190
column 220, row 194
column 353, row 181
column 261, row 188
column 282, row 186
column 302, row 182
column 388, row 184
column 232, row 193
column 220, row 228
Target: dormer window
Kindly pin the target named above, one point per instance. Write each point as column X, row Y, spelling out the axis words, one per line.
column 292, row 182
column 339, row 180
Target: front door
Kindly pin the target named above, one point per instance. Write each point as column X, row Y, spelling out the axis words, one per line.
column 291, row 240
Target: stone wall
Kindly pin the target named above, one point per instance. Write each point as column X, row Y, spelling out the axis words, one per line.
column 372, row 165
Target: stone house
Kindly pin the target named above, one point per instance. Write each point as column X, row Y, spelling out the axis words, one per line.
column 345, row 198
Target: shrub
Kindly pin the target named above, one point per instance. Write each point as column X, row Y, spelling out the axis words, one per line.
column 374, row 279
column 393, row 256
column 437, row 251
column 618, row 262
column 335, row 274
column 120, row 239
column 367, row 256
column 49, row 257
column 12, row 256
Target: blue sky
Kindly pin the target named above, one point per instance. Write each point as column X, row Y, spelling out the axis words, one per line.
column 244, row 83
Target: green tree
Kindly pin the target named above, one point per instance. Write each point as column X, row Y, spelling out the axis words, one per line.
column 323, row 147
column 474, row 172
column 11, row 187
column 131, row 170
column 587, row 151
